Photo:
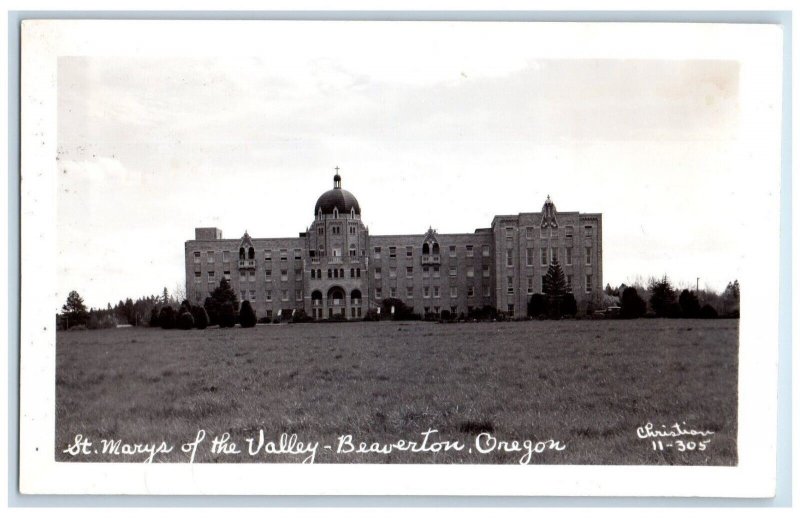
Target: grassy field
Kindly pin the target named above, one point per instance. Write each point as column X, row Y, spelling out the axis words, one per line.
column 586, row 384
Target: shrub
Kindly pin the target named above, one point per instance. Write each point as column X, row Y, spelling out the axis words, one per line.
column 167, row 317
column 79, row 327
column 200, row 317
column 708, row 311
column 631, row 304
column 227, row 315
column 185, row 320
column 300, row 316
column 663, row 297
column 674, row 310
column 569, row 306
column 372, row 316
column 537, row 305
column 154, row 321
column 445, row 315
column 401, row 310
column 690, row 306
column 247, row 317
column 264, row 320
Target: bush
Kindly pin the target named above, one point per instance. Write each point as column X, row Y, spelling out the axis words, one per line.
column 264, row 320
column 537, row 305
column 690, row 306
column 247, row 317
column 569, row 306
column 631, row 304
column 372, row 316
column 154, row 321
column 227, row 315
column 708, row 311
column 79, row 327
column 167, row 317
column 301, row 316
column 200, row 317
column 185, row 321
column 445, row 315
column 674, row 310
column 401, row 310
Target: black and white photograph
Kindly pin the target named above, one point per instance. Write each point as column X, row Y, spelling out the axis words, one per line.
column 405, row 244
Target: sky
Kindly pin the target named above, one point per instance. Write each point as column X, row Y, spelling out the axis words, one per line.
column 151, row 147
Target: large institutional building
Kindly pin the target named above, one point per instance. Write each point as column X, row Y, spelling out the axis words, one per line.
column 337, row 268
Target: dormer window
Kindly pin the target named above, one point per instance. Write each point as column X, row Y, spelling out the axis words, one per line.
column 335, row 212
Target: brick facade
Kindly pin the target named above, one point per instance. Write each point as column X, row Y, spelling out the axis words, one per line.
column 338, row 268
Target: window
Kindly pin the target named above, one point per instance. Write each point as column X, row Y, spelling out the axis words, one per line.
column 588, row 283
column 298, row 274
column 569, row 283
column 352, row 229
column 298, row 254
column 409, row 292
column 313, row 273
column 242, row 276
column 588, row 230
column 378, row 293
column 210, row 257
column 487, row 291
column 510, row 285
column 426, row 291
column 358, row 273
column 470, row 272
column 244, row 294
column 197, row 258
column 543, row 252
column 227, row 275
column 568, row 259
column 510, row 257
column 320, row 231
column 252, row 295
column 284, row 275
column 485, row 250
column 409, row 271
column 284, row 294
column 510, row 231
column 530, row 285
column 268, row 255
column 284, row 253
column 268, row 275
column 298, row 294
column 485, row 271
column 378, row 273
column 393, row 272
column 226, row 256
column 409, row 251
column 453, row 292
column 393, row 292
column 436, row 292
column 452, row 251
column 352, row 273
column 197, row 276
column 470, row 291
column 453, row 271
column 529, row 232
column 435, row 271
column 470, row 251
column 568, row 230
column 251, row 276
column 392, row 252
column 211, row 276
column 426, row 272
column 511, row 310
column 529, row 257
column 377, row 252
column 588, row 255
column 269, row 295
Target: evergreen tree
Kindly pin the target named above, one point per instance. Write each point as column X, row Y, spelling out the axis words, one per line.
column 200, row 317
column 690, row 306
column 221, row 295
column 662, row 296
column 247, row 317
column 227, row 315
column 537, row 305
column 165, row 296
column 74, row 310
column 730, row 298
column 555, row 287
column 569, row 306
column 631, row 304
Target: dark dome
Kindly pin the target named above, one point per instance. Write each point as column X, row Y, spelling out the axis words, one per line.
column 337, row 198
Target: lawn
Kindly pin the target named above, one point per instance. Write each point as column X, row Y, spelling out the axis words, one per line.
column 586, row 384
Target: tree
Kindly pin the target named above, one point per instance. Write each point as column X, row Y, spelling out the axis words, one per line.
column 555, row 287
column 537, row 305
column 690, row 306
column 247, row 317
column 708, row 311
column 165, row 296
column 154, row 318
column 227, row 315
column 631, row 304
column 662, row 296
column 401, row 310
column 730, row 298
column 200, row 317
column 569, row 306
column 74, row 310
column 167, row 317
column 185, row 318
column 221, row 295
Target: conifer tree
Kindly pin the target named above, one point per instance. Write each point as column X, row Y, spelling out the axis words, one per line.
column 555, row 287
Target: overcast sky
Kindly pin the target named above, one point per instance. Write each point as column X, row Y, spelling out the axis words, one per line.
column 150, row 148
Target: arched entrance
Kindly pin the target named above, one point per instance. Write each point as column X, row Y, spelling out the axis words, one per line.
column 316, row 304
column 336, row 303
column 355, row 304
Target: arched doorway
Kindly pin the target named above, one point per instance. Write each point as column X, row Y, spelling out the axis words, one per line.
column 355, row 304
column 316, row 304
column 336, row 302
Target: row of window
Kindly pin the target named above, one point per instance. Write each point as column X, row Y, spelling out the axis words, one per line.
column 530, row 288
column 226, row 255
column 337, row 229
column 548, row 255
column 544, row 233
column 409, row 251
